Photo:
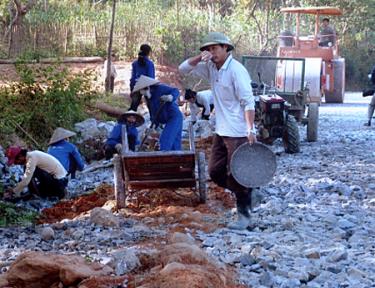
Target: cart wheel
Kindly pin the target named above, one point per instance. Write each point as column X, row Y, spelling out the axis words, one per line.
column 312, row 122
column 202, row 179
column 119, row 182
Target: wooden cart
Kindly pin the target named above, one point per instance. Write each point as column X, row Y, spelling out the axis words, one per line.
column 159, row 169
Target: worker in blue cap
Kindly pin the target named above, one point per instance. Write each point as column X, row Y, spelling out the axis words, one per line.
column 164, row 110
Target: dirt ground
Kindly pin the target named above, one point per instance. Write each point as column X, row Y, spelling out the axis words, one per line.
column 158, row 203
column 166, row 74
column 175, row 207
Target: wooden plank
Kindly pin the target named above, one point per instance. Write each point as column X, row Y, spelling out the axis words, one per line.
column 135, row 161
column 154, row 177
column 176, row 183
column 159, row 171
column 158, row 154
column 160, row 167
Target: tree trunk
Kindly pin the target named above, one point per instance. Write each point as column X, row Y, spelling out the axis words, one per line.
column 109, row 52
column 17, row 11
column 109, row 110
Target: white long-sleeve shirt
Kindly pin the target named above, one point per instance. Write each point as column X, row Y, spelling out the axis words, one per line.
column 232, row 93
column 113, row 70
column 205, row 99
column 43, row 161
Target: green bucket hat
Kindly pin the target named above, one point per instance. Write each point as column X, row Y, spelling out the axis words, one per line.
column 214, row 38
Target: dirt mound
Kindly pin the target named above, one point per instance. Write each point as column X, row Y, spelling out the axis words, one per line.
column 184, row 265
column 70, row 209
column 150, row 198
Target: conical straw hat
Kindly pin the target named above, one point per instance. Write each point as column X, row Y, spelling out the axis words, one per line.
column 60, row 134
column 139, row 120
column 144, row 82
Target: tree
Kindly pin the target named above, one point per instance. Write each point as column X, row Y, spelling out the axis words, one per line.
column 109, row 52
column 17, row 10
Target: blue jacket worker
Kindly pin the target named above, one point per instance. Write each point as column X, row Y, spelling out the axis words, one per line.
column 113, row 145
column 142, row 66
column 164, row 110
column 66, row 152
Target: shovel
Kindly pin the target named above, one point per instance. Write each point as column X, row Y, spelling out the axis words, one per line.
column 153, row 124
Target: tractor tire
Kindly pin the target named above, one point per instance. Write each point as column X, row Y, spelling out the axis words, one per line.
column 312, row 122
column 338, row 93
column 202, row 179
column 291, row 138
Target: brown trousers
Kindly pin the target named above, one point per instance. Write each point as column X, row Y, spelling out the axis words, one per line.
column 219, row 169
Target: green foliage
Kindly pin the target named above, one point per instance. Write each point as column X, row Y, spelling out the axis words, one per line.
column 11, row 215
column 46, row 97
column 174, row 28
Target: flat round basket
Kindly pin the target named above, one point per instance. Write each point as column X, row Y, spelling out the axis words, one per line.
column 253, row 165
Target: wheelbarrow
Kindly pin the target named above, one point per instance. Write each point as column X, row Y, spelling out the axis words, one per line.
column 159, row 169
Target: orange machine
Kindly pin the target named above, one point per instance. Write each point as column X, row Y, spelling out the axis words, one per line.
column 325, row 69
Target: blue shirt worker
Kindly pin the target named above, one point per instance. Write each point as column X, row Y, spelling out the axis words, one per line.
column 113, row 145
column 142, row 66
column 66, row 152
column 164, row 110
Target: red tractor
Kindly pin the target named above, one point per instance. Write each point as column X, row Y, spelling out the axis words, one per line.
column 325, row 69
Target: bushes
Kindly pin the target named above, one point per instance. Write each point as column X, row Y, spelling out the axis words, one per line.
column 11, row 215
column 45, row 97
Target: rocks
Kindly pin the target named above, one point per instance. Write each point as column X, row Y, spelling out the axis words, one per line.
column 179, row 251
column 345, row 224
column 47, row 233
column 45, row 270
column 312, row 228
column 316, row 212
column 88, row 129
column 124, row 260
column 338, row 255
column 312, row 254
column 186, row 266
column 103, row 217
column 178, row 237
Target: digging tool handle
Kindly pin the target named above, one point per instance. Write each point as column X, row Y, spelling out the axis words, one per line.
column 153, row 123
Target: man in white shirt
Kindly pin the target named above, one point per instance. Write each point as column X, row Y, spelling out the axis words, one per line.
column 202, row 99
column 49, row 172
column 234, row 111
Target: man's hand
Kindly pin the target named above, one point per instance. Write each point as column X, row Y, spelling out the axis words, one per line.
column 166, row 98
column 118, row 148
column 252, row 138
column 206, row 56
column 252, row 135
